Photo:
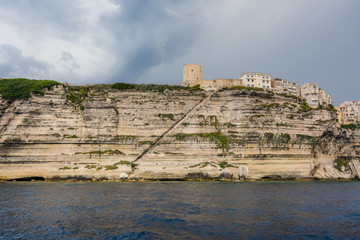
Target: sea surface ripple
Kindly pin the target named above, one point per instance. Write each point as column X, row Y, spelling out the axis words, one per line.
column 180, row 210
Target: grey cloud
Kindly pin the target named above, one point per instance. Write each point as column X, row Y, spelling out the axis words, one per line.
column 44, row 18
column 68, row 62
column 149, row 40
column 149, row 33
column 13, row 64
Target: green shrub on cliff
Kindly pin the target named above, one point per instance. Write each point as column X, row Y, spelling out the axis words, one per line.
column 270, row 105
column 330, row 108
column 305, row 138
column 284, row 138
column 304, row 107
column 350, row 126
column 225, row 164
column 256, row 89
column 341, row 164
column 289, row 96
column 269, row 137
column 154, row 87
column 216, row 137
column 164, row 116
column 20, row 88
column 77, row 96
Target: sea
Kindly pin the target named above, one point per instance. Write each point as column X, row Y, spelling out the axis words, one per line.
column 180, row 210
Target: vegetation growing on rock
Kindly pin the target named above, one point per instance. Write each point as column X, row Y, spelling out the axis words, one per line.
column 350, row 126
column 225, row 164
column 289, row 96
column 20, row 88
column 304, row 107
column 99, row 152
column 154, row 87
column 246, row 88
column 78, row 97
column 341, row 164
column 166, row 116
column 217, row 137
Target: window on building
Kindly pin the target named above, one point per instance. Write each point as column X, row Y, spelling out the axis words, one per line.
column 252, row 80
column 267, row 86
column 248, row 85
column 192, row 70
column 252, row 85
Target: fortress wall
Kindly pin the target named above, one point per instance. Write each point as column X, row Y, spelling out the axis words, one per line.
column 217, row 83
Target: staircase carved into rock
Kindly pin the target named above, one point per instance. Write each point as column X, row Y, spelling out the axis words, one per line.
column 177, row 123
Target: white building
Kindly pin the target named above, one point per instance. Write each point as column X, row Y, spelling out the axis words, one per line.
column 260, row 80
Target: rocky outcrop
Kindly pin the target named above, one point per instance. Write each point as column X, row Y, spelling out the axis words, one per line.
column 337, row 154
column 104, row 133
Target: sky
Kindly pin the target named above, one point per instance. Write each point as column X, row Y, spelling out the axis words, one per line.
column 148, row 41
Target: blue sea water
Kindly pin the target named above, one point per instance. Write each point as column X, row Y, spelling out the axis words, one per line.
column 180, row 210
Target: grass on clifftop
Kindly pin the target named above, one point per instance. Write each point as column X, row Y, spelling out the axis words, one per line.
column 256, row 89
column 20, row 88
column 154, row 87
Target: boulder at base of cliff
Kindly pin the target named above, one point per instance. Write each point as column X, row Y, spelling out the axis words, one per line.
column 225, row 173
column 123, row 176
column 133, row 177
column 243, row 172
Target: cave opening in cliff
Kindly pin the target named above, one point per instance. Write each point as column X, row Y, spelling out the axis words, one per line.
column 28, row 179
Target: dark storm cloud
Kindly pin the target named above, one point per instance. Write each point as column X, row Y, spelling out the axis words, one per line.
column 46, row 17
column 149, row 33
column 14, row 64
column 148, row 41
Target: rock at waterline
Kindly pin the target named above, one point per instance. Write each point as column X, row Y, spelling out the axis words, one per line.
column 243, row 172
column 225, row 173
column 124, row 176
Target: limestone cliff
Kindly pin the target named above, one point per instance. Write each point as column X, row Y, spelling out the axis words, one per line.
column 105, row 133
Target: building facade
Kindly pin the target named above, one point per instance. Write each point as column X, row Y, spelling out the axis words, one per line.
column 310, row 92
column 313, row 95
column 260, row 80
column 285, row 86
column 349, row 112
column 324, row 98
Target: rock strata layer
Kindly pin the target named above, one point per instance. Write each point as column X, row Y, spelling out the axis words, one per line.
column 112, row 134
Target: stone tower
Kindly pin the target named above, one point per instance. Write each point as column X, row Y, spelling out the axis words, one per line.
column 192, row 72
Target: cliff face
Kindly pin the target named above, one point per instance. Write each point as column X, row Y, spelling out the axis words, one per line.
column 106, row 133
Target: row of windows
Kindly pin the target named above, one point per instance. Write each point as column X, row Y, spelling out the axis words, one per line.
column 252, row 85
column 252, row 80
column 253, row 76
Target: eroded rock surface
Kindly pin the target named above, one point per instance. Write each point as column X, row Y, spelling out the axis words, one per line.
column 100, row 134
